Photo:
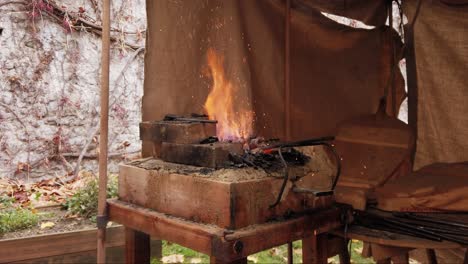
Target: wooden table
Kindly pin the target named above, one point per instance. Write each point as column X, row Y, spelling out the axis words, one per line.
column 223, row 245
column 387, row 247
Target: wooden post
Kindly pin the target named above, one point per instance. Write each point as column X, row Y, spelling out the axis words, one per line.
column 431, row 256
column 290, row 253
column 411, row 73
column 287, row 71
column 137, row 247
column 103, row 138
column 314, row 249
column 344, row 254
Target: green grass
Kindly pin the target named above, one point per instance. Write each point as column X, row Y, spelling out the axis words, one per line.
column 271, row 256
column 6, row 201
column 14, row 219
column 85, row 201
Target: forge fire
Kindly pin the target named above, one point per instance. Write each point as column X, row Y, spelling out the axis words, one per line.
column 234, row 114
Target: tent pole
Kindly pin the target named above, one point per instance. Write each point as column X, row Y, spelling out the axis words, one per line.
column 287, row 89
column 287, row 71
column 103, row 137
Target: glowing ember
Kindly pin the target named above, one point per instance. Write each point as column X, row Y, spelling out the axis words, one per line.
column 234, row 115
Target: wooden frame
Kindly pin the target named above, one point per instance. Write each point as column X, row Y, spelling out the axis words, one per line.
column 223, row 245
column 70, row 247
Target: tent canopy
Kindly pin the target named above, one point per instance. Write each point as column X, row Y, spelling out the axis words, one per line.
column 337, row 72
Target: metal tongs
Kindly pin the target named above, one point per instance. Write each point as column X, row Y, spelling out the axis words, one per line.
column 323, row 141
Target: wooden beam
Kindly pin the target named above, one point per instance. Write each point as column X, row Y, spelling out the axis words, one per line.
column 24, row 249
column 224, row 245
column 188, row 234
column 257, row 239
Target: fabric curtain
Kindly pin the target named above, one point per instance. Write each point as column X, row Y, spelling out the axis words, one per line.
column 337, row 72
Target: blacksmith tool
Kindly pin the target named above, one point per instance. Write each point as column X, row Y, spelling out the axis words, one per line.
column 323, row 141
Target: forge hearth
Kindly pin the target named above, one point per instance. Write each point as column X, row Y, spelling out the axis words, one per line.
column 193, row 176
column 228, row 198
column 188, row 142
column 182, row 132
column 175, row 131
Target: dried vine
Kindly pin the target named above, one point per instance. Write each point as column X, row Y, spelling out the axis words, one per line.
column 74, row 21
column 28, row 79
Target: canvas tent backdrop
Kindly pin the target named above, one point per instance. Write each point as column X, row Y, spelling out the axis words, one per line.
column 337, row 72
column 440, row 94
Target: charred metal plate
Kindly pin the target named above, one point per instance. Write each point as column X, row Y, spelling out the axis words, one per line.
column 213, row 155
column 180, row 132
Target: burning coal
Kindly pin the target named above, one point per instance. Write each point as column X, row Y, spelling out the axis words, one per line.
column 234, row 115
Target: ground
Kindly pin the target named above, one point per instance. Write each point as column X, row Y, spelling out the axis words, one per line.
column 55, row 219
column 52, row 220
column 173, row 253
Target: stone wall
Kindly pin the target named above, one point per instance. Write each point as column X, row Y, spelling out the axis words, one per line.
column 49, row 84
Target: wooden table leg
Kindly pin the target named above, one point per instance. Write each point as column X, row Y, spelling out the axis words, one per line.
column 137, row 247
column 314, row 249
column 431, row 256
column 401, row 259
column 213, row 260
column 290, row 253
column 344, row 254
column 384, row 261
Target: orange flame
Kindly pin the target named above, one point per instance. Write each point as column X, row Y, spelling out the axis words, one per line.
column 235, row 117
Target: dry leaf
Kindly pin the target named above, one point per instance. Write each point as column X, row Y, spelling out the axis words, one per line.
column 173, row 259
column 275, row 251
column 196, row 260
column 47, row 225
column 253, row 259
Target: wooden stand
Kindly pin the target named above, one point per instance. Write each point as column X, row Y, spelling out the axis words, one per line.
column 222, row 245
